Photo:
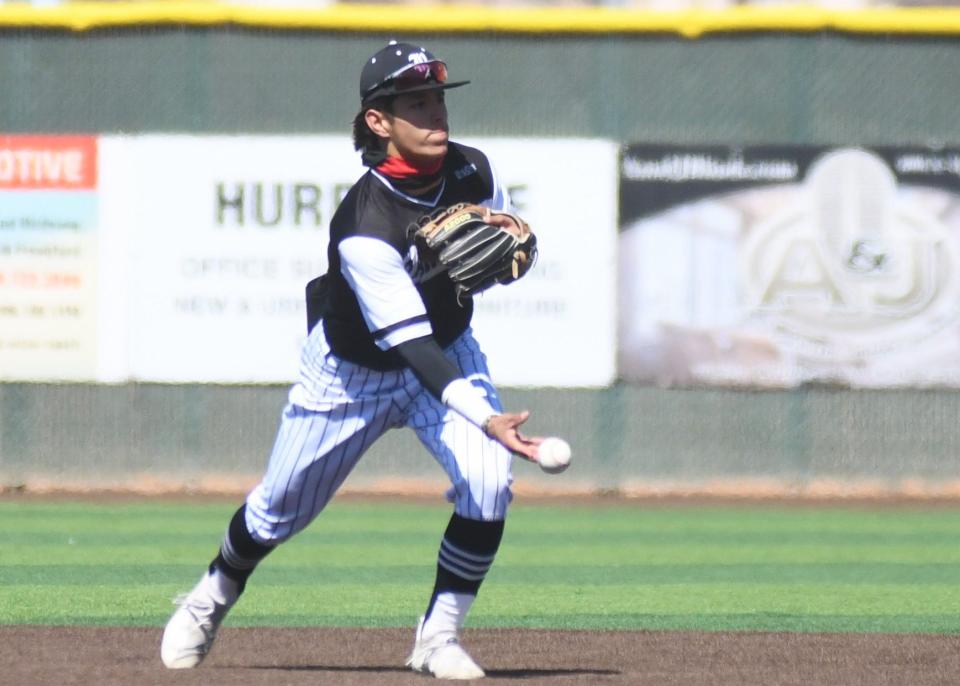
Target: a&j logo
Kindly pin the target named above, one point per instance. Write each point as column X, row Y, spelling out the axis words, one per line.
column 851, row 269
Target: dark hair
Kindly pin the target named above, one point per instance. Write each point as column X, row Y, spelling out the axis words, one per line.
column 370, row 145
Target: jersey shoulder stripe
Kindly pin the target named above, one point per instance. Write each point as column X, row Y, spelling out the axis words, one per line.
column 382, row 333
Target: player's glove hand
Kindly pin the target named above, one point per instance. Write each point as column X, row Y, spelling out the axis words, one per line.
column 477, row 248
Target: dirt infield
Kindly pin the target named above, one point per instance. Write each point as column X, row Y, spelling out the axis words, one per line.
column 348, row 657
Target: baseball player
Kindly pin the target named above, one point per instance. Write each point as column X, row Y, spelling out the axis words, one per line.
column 390, row 346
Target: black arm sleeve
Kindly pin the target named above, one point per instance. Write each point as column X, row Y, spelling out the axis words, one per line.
column 428, row 363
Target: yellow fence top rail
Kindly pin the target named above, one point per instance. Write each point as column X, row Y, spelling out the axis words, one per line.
column 84, row 16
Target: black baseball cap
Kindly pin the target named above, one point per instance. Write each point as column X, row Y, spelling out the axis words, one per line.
column 403, row 68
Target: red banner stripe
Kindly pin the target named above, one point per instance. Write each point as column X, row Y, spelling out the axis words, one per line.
column 48, row 162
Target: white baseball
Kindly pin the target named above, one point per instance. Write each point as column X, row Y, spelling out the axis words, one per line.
column 553, row 455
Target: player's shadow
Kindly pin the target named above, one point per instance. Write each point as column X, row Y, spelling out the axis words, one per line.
column 533, row 673
column 491, row 673
column 326, row 668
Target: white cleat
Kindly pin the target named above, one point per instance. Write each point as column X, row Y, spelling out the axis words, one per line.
column 442, row 656
column 191, row 630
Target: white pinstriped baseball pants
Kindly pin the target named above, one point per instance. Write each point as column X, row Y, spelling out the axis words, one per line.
column 337, row 409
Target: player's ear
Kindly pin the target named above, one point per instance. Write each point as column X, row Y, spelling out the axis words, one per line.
column 379, row 122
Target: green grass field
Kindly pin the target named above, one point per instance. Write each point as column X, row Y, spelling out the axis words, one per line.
column 604, row 567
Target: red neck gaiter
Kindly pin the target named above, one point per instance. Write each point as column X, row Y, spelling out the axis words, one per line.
column 399, row 168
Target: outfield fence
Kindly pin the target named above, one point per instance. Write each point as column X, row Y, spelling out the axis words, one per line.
column 737, row 79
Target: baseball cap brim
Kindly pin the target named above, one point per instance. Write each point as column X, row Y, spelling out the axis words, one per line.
column 391, row 89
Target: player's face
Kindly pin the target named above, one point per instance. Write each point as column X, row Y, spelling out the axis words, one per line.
column 418, row 126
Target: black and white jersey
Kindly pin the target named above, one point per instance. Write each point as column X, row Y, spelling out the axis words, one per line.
column 376, row 298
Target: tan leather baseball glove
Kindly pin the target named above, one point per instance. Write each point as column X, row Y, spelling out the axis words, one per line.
column 476, row 248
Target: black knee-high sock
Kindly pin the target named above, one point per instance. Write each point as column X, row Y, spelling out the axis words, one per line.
column 239, row 553
column 466, row 553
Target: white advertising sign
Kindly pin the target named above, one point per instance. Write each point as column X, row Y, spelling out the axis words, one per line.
column 225, row 232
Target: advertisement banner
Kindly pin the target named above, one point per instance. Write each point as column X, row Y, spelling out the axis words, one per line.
column 49, row 243
column 225, row 232
column 773, row 266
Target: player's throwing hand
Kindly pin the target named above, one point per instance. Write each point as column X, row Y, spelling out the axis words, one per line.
column 504, row 428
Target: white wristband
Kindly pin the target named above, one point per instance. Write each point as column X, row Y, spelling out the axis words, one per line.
column 462, row 396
